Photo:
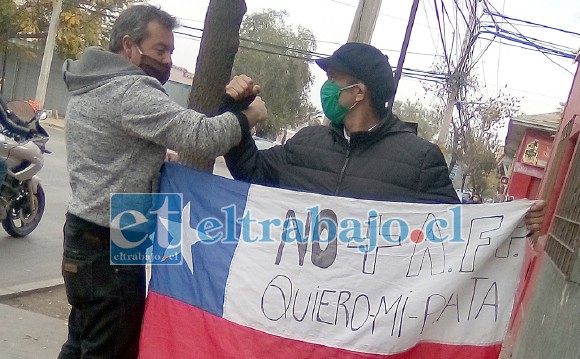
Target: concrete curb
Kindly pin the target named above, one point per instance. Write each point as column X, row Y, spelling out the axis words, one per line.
column 29, row 288
column 52, row 122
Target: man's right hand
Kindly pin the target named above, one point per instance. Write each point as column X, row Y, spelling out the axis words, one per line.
column 256, row 112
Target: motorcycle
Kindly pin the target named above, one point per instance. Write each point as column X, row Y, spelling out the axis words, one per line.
column 22, row 147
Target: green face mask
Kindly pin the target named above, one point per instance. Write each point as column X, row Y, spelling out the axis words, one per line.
column 329, row 95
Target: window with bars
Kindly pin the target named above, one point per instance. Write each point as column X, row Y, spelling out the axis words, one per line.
column 564, row 235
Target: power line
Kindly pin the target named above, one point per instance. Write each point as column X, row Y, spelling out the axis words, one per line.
column 72, row 2
column 192, row 20
column 311, row 52
column 287, row 36
column 498, row 52
column 471, row 8
column 555, row 46
column 341, row 43
column 277, row 53
column 386, row 15
column 286, row 48
column 456, row 38
column 430, row 32
column 455, row 32
column 484, row 79
column 529, row 42
column 441, row 36
column 283, row 47
column 311, row 56
column 187, row 36
column 444, row 8
column 412, row 53
column 192, row 28
column 524, row 41
column 534, row 50
column 520, row 46
column 507, row 18
column 505, row 22
column 458, row 7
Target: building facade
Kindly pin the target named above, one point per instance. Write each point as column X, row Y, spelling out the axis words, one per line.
column 546, row 318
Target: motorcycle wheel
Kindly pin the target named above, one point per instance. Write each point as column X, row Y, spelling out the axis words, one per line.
column 23, row 219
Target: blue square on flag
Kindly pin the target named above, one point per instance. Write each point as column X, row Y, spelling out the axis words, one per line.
column 146, row 228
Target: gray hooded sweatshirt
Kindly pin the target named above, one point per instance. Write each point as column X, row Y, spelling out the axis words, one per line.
column 119, row 123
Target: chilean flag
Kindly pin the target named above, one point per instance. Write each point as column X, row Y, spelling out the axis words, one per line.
column 237, row 295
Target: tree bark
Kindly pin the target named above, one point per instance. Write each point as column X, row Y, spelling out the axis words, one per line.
column 219, row 44
column 3, row 76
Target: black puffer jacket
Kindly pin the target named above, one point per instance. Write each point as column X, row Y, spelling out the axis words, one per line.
column 387, row 163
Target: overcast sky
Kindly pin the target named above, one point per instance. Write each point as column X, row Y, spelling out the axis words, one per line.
column 541, row 83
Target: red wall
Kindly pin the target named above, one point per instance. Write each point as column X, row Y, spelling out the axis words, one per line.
column 528, row 167
column 535, row 255
column 571, row 113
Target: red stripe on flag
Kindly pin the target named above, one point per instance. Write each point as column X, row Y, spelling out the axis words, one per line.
column 175, row 330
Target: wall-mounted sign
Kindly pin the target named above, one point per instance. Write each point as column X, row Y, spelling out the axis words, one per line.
column 536, row 151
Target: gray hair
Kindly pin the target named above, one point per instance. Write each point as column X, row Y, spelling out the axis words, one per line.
column 134, row 21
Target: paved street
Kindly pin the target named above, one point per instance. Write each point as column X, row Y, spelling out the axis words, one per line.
column 35, row 260
column 34, row 325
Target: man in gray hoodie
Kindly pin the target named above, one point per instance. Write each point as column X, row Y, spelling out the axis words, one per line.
column 119, row 123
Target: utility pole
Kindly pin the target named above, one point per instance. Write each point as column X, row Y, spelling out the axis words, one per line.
column 48, row 52
column 364, row 21
column 452, row 99
column 458, row 75
column 404, row 48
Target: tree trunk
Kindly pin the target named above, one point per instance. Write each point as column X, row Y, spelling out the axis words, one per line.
column 3, row 76
column 218, row 48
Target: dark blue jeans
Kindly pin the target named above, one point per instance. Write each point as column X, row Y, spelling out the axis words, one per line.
column 107, row 301
column 3, row 170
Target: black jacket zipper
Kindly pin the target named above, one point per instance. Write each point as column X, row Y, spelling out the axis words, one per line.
column 340, row 178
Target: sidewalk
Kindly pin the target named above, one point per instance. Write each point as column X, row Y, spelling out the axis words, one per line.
column 25, row 334
column 29, row 335
column 53, row 122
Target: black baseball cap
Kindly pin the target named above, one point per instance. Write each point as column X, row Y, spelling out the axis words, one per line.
column 366, row 63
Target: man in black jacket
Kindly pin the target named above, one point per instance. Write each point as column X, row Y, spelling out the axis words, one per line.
column 366, row 152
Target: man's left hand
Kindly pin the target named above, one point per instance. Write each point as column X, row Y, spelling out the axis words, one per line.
column 535, row 216
column 241, row 87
